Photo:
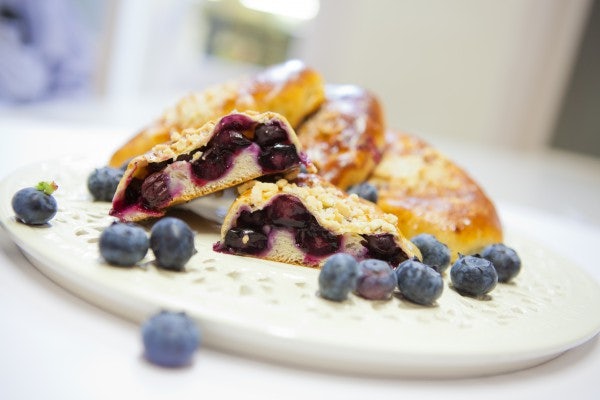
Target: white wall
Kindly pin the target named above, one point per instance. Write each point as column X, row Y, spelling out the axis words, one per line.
column 470, row 69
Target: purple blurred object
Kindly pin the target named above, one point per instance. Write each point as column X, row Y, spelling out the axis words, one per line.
column 44, row 50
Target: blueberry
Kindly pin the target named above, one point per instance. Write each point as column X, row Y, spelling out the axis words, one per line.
column 418, row 282
column 231, row 140
column 102, row 183
column 435, row 253
column 170, row 339
column 35, row 205
column 287, row 211
column 213, row 164
column 383, row 246
column 172, row 242
column 365, row 190
column 155, row 190
column 506, row 261
column 278, row 157
column 269, row 134
column 376, row 280
column 123, row 244
column 338, row 277
column 473, row 275
column 316, row 240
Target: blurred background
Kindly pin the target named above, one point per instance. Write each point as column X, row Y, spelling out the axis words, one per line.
column 520, row 74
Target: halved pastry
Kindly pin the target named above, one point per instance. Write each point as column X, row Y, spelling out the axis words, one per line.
column 237, row 148
column 431, row 194
column 305, row 221
column 345, row 138
column 291, row 89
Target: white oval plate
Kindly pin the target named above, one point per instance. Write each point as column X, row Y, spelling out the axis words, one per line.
column 271, row 310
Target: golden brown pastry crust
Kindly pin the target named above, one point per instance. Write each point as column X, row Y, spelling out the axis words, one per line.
column 345, row 138
column 333, row 209
column 181, row 180
column 431, row 194
column 291, row 89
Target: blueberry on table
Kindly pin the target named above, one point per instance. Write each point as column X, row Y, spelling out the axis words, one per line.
column 35, row 205
column 172, row 242
column 506, row 261
column 123, row 244
column 418, row 282
column 376, row 279
column 102, row 183
column 364, row 190
column 435, row 253
column 170, row 339
column 473, row 275
column 338, row 277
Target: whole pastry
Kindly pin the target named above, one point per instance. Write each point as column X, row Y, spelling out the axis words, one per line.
column 291, row 89
column 345, row 138
column 429, row 193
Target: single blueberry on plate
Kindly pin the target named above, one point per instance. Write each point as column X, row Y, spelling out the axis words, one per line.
column 365, row 190
column 102, row 183
column 418, row 282
column 376, row 279
column 506, row 261
column 123, row 244
column 170, row 339
column 172, row 242
column 435, row 253
column 35, row 205
column 473, row 275
column 338, row 277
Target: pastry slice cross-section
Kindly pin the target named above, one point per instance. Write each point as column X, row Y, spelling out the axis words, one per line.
column 305, row 221
column 237, row 148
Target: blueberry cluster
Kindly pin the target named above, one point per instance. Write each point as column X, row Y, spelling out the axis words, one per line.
column 171, row 241
column 374, row 279
column 420, row 282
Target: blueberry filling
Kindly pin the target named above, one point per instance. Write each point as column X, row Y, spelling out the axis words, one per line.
column 278, row 157
column 236, row 132
column 251, row 241
column 317, row 241
column 284, row 212
column 155, row 190
column 269, row 134
column 383, row 247
column 250, row 233
column 213, row 163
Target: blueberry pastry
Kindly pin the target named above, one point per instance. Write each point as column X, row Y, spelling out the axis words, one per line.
column 237, row 148
column 305, row 221
column 345, row 138
column 431, row 194
column 291, row 89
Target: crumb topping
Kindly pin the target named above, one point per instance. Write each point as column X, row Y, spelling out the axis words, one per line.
column 333, row 208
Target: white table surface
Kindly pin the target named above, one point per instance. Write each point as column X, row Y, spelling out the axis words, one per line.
column 54, row 345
